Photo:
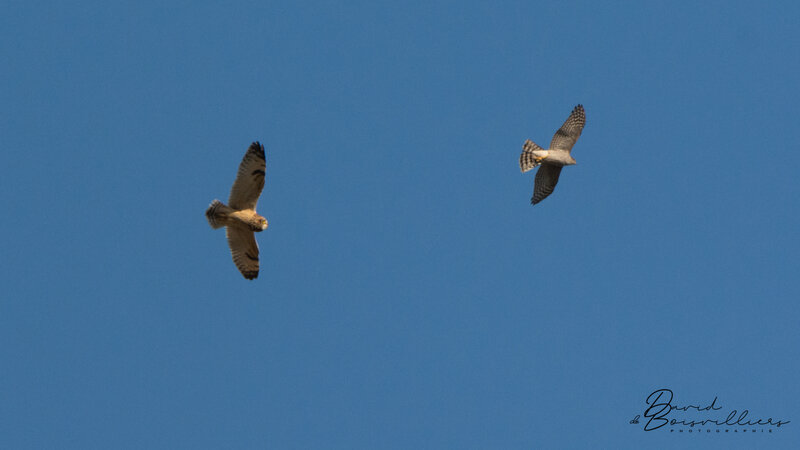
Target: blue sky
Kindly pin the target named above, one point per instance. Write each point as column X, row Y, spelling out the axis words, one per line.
column 409, row 295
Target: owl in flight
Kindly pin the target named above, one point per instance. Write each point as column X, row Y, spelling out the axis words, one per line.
column 239, row 216
column 555, row 158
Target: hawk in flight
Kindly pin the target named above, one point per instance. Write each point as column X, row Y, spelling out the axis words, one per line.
column 555, row 158
column 239, row 216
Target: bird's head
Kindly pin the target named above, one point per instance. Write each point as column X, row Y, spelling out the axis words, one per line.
column 258, row 223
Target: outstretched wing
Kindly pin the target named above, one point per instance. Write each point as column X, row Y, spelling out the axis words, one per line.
column 568, row 134
column 244, row 250
column 545, row 182
column 250, row 179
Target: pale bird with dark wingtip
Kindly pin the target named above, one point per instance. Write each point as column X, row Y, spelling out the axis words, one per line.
column 239, row 216
column 553, row 159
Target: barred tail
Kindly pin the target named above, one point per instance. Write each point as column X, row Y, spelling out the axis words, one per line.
column 216, row 214
column 527, row 160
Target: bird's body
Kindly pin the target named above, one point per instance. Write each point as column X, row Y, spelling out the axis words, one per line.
column 249, row 219
column 239, row 216
column 556, row 157
column 553, row 159
column 225, row 216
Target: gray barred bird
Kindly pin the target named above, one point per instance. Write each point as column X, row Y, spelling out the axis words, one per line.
column 553, row 159
column 239, row 216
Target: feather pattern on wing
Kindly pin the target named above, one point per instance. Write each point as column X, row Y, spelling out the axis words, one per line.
column 568, row 134
column 545, row 182
column 244, row 250
column 250, row 179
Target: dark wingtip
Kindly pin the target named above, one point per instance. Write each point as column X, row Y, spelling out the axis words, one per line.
column 252, row 275
column 258, row 149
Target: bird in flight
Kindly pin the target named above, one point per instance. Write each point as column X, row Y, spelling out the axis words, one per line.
column 553, row 159
column 239, row 216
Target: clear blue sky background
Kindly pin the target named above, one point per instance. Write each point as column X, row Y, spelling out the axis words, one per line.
column 409, row 296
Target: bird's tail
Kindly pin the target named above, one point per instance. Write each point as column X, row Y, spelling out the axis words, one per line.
column 217, row 214
column 528, row 160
